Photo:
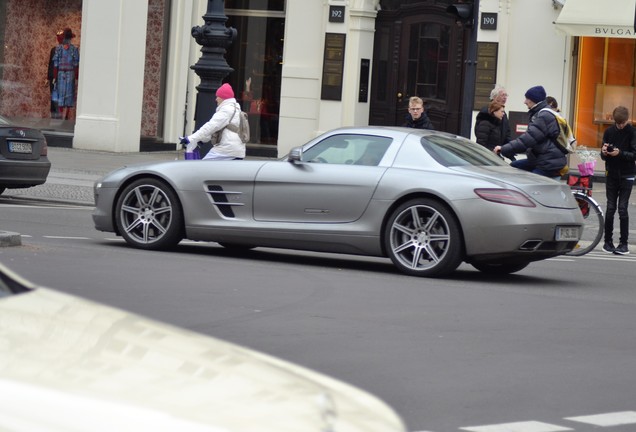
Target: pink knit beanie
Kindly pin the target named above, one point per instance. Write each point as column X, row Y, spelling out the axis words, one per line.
column 225, row 91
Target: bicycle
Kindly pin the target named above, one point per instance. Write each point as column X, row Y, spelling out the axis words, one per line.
column 592, row 215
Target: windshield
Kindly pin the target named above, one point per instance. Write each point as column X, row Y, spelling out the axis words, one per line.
column 458, row 151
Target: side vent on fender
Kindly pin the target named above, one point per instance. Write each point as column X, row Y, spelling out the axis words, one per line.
column 221, row 201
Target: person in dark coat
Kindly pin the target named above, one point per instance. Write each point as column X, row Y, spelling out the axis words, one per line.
column 552, row 103
column 544, row 157
column 488, row 126
column 500, row 95
column 619, row 154
column 417, row 118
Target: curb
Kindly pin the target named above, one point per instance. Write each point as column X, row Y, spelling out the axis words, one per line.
column 8, row 238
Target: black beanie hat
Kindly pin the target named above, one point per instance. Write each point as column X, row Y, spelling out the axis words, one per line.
column 536, row 94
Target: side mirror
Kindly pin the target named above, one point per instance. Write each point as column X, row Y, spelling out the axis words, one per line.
column 295, row 155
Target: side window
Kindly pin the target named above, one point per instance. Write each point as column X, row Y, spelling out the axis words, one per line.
column 348, row 149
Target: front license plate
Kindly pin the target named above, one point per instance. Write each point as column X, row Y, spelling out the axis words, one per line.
column 567, row 233
column 20, row 147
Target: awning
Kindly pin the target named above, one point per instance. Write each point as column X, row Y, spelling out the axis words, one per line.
column 598, row 18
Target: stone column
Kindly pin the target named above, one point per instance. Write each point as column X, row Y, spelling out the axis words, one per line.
column 110, row 88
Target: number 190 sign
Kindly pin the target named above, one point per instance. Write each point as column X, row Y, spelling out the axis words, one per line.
column 488, row 21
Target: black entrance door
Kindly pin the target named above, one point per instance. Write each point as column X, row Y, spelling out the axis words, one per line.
column 418, row 51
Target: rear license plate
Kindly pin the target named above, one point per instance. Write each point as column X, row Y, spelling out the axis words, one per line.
column 20, row 147
column 567, row 233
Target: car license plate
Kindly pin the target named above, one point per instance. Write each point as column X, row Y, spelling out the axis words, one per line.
column 20, row 147
column 567, row 233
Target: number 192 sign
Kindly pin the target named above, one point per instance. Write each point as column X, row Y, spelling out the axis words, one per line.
column 488, row 21
column 336, row 14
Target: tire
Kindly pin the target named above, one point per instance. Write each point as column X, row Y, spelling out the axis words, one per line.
column 593, row 226
column 422, row 238
column 148, row 215
column 500, row 269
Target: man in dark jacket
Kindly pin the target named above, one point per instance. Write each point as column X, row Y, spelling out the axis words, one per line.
column 417, row 118
column 619, row 154
column 544, row 157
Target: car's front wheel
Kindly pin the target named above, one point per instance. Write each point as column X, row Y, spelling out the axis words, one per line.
column 423, row 238
column 148, row 215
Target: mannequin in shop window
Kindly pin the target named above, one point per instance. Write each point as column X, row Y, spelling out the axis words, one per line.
column 65, row 72
column 59, row 36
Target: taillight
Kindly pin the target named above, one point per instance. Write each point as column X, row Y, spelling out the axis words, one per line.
column 44, row 150
column 505, row 196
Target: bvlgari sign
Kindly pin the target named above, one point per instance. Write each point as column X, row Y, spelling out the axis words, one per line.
column 596, row 18
column 614, row 32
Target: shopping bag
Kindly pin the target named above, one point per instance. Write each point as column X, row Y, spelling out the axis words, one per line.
column 193, row 155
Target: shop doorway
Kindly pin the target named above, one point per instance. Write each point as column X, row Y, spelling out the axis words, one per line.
column 256, row 55
column 419, row 51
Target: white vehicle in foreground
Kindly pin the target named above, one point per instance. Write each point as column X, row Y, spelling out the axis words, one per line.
column 69, row 364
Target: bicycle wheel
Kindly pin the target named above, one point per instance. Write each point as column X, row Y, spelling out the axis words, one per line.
column 593, row 225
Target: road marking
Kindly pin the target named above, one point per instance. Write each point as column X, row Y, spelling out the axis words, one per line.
column 49, row 206
column 606, row 420
column 528, row 426
column 67, row 238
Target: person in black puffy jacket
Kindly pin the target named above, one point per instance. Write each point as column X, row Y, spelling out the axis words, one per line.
column 544, row 157
column 488, row 126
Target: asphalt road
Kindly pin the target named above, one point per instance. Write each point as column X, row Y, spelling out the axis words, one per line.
column 548, row 349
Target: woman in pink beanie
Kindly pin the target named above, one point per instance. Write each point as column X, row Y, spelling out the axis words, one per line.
column 229, row 145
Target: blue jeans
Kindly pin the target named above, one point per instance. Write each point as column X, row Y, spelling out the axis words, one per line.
column 617, row 190
column 526, row 165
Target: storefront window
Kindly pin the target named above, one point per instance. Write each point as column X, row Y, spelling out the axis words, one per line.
column 266, row 5
column 28, row 32
column 257, row 59
column 428, row 60
column 606, row 79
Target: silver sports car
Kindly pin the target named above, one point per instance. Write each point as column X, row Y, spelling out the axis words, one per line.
column 427, row 200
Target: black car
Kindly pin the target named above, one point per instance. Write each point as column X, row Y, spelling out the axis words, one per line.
column 23, row 156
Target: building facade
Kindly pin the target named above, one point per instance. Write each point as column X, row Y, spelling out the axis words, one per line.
column 301, row 67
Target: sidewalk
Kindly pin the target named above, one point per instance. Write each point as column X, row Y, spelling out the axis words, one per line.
column 73, row 173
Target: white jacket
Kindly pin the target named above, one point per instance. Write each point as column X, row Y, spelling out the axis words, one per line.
column 230, row 143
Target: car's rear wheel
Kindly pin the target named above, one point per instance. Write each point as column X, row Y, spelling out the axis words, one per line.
column 500, row 269
column 148, row 215
column 422, row 238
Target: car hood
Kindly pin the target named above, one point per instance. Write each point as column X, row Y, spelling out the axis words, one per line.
column 71, row 364
column 543, row 190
